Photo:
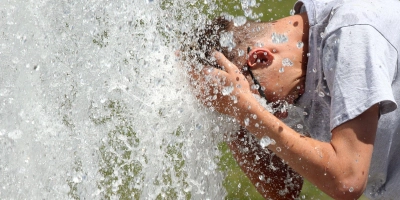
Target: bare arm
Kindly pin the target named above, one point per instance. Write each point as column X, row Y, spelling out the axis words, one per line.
column 339, row 168
column 272, row 178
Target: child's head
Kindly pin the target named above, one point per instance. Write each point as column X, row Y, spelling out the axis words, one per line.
column 275, row 52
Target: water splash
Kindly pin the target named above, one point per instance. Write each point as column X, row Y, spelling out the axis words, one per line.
column 94, row 104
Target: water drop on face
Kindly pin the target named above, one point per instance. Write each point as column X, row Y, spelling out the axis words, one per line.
column 351, row 189
column 281, row 70
column 259, row 44
column 278, row 149
column 240, row 53
column 286, row 62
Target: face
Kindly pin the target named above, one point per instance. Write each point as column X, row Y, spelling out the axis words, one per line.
column 279, row 64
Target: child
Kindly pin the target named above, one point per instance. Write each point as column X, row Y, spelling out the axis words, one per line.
column 337, row 60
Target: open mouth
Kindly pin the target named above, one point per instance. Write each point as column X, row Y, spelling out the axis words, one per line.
column 258, row 55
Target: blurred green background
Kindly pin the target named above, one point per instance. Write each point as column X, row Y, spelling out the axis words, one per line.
column 236, row 183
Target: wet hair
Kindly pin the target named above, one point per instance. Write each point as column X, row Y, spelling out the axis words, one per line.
column 198, row 47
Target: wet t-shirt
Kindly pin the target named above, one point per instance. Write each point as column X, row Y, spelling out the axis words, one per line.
column 353, row 64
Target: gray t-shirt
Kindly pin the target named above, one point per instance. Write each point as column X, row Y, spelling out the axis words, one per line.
column 353, row 64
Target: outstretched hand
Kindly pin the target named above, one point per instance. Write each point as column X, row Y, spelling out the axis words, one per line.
column 225, row 90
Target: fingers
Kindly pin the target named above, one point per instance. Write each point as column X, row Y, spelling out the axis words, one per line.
column 223, row 61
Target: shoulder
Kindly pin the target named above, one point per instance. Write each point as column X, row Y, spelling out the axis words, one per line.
column 359, row 12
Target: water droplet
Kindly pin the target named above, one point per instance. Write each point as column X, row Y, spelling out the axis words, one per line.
column 321, row 94
column 300, row 44
column 246, row 121
column 261, row 177
column 286, row 62
column 15, row 135
column 259, row 44
column 322, row 34
column 299, row 126
column 305, row 113
column 351, row 189
column 239, row 21
column 283, row 192
column 240, row 52
column 278, row 149
column 226, row 40
column 257, row 125
column 292, row 12
column 77, row 179
column 308, row 54
column 279, row 38
column 266, row 141
column 227, row 90
column 255, row 87
column 314, row 70
column 281, row 70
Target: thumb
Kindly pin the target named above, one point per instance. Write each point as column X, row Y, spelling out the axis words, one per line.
column 223, row 61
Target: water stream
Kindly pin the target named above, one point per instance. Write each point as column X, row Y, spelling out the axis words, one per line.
column 94, row 104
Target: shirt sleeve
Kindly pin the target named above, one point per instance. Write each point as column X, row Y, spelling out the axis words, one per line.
column 359, row 66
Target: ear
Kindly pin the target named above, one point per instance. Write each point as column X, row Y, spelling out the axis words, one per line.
column 259, row 56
